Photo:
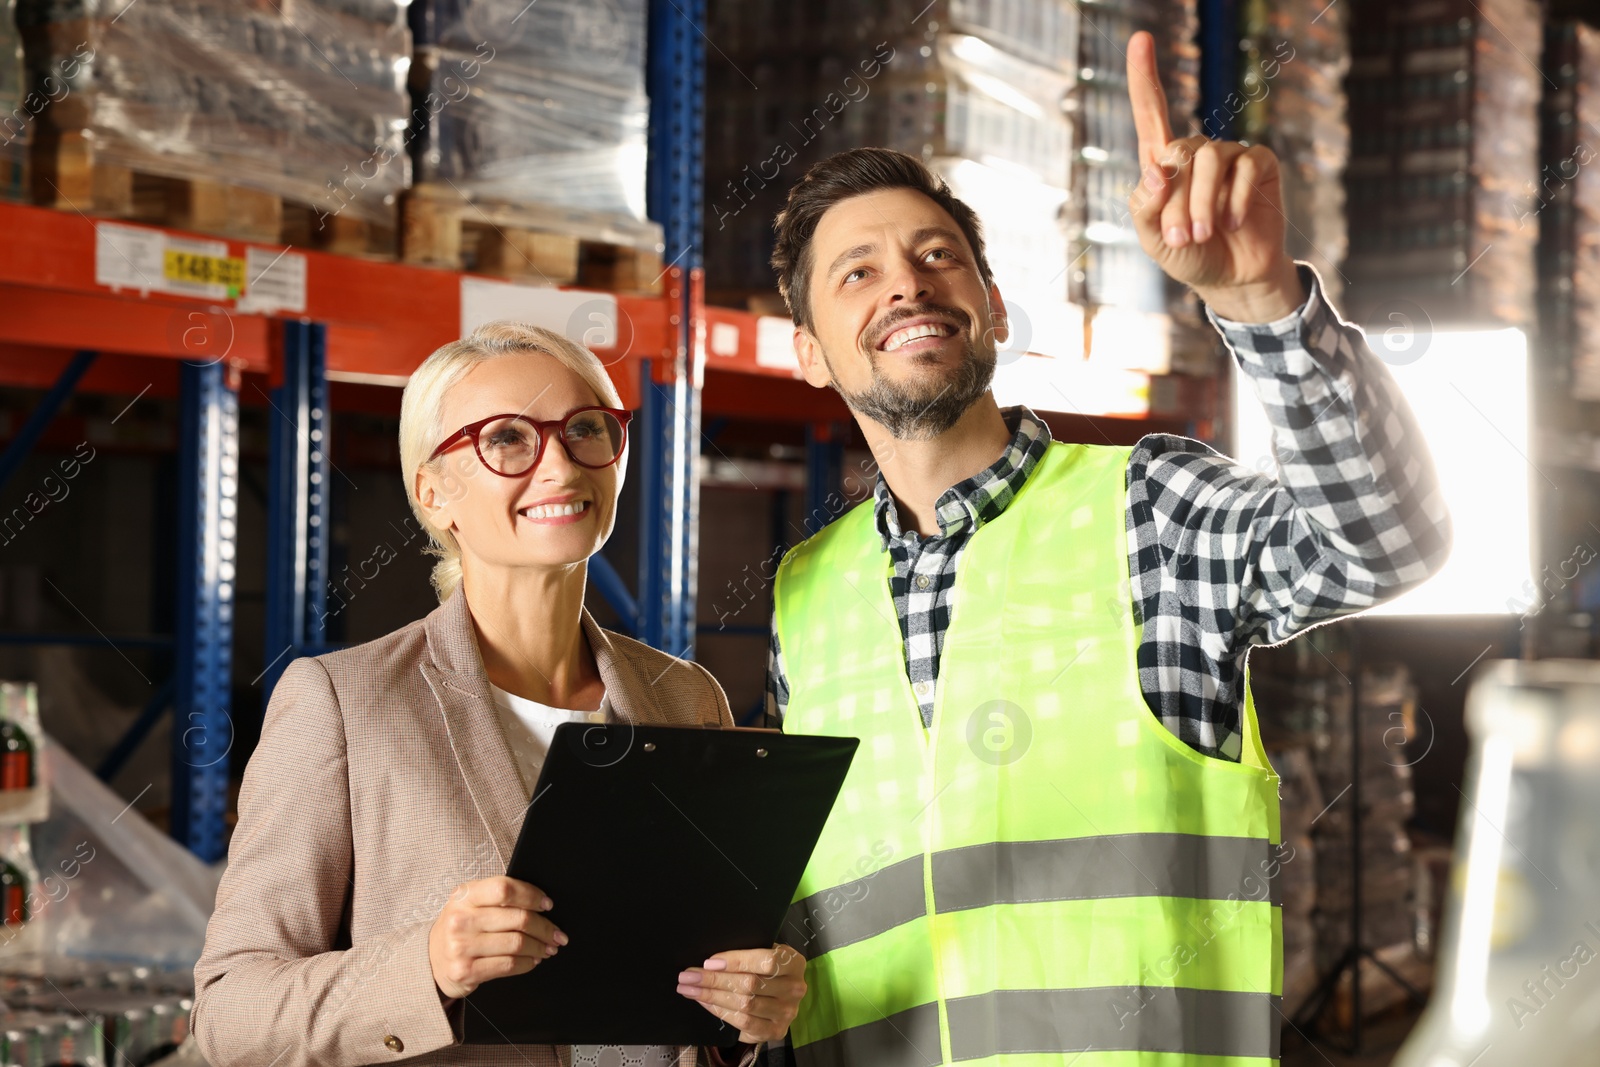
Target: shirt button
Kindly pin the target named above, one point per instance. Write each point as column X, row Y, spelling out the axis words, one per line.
column 923, row 581
column 394, row 1044
column 597, row 716
column 922, row 689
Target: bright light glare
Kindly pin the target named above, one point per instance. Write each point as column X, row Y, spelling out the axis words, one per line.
column 1469, row 392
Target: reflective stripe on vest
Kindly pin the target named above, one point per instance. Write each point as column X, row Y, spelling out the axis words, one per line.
column 1046, row 869
column 1015, row 872
column 1196, row 1022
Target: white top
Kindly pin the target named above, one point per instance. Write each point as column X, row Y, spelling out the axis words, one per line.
column 530, row 727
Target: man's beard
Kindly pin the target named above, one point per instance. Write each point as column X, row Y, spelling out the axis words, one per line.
column 923, row 409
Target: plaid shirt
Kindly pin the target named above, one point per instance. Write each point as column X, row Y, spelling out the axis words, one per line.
column 1221, row 557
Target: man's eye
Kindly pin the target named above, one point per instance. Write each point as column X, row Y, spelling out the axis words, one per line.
column 943, row 252
column 859, row 270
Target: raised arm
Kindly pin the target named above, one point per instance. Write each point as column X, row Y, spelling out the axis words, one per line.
column 1347, row 512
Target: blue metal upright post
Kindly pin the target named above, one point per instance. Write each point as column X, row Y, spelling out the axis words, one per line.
column 39, row 421
column 1219, row 67
column 208, row 501
column 297, row 502
column 670, row 407
column 824, row 474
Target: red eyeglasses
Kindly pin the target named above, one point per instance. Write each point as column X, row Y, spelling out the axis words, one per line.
column 510, row 445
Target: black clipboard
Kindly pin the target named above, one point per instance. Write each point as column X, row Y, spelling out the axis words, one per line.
column 659, row 846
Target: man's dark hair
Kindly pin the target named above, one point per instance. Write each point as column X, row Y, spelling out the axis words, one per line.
column 839, row 177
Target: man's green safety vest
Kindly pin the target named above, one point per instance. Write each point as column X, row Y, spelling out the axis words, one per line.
column 1046, row 875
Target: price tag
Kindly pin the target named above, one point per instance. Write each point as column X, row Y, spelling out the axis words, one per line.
column 194, row 268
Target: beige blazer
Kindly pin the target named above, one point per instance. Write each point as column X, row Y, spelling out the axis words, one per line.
column 383, row 779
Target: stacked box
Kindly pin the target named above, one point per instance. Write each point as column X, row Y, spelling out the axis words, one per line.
column 975, row 89
column 1302, row 695
column 1566, row 203
column 1444, row 102
column 16, row 109
column 1291, row 98
column 303, row 101
column 1108, row 267
column 533, row 103
column 1301, row 801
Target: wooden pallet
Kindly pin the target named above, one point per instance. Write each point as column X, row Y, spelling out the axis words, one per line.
column 766, row 301
column 441, row 227
column 13, row 172
column 67, row 176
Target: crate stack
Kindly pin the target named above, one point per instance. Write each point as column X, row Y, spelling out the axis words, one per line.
column 1302, row 696
column 975, row 90
column 1147, row 322
column 1300, row 803
column 1444, row 104
column 528, row 140
column 64, row 1010
column 248, row 120
column 1291, row 98
column 16, row 118
column 1567, row 204
column 1388, row 724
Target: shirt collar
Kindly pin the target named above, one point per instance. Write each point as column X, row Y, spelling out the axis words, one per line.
column 982, row 497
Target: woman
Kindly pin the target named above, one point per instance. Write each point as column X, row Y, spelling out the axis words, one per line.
column 365, row 891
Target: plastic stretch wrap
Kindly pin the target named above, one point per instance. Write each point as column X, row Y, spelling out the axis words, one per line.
column 1022, row 232
column 293, row 100
column 538, row 104
column 968, row 100
column 106, row 884
column 526, row 135
column 978, row 90
column 1040, row 32
column 1108, row 266
column 603, row 41
column 1443, row 165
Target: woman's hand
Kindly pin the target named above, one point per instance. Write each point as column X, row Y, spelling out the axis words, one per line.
column 490, row 928
column 758, row 989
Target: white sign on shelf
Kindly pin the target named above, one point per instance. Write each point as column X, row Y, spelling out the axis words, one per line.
column 724, row 339
column 775, row 343
column 153, row 261
column 274, row 281
column 587, row 318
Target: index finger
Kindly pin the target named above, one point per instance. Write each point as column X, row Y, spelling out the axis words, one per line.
column 1149, row 100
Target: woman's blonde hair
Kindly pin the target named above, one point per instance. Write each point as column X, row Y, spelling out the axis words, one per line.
column 423, row 399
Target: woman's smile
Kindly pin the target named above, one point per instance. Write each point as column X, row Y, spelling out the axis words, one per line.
column 558, row 512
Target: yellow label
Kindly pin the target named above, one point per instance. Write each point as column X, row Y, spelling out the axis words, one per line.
column 205, row 270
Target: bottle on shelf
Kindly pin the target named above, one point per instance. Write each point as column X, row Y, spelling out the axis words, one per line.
column 16, row 756
column 13, row 895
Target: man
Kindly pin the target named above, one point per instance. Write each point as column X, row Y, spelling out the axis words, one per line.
column 1060, row 832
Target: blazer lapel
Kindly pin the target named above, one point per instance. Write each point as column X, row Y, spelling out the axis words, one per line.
column 461, row 686
column 632, row 698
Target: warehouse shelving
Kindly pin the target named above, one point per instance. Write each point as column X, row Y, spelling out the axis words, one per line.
column 372, row 321
column 362, row 320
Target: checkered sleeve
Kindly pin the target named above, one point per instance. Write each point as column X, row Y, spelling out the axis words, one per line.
column 1226, row 554
column 777, row 680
